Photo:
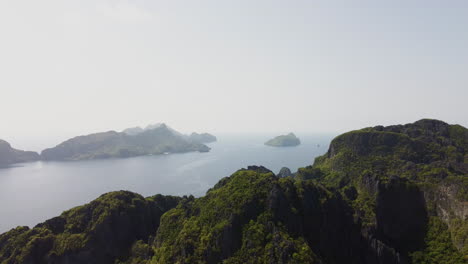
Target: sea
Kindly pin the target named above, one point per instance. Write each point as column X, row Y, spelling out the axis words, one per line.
column 31, row 193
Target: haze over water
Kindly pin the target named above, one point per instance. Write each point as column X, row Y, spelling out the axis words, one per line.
column 33, row 192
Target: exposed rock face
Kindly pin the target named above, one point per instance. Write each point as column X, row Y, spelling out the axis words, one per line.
column 252, row 215
column 284, row 172
column 202, row 138
column 401, row 215
column 9, row 155
column 288, row 140
column 99, row 232
column 256, row 215
column 415, row 171
column 387, row 195
column 157, row 140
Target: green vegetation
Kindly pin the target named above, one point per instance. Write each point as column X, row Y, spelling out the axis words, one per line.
column 99, row 232
column 247, row 218
column 288, row 140
column 429, row 154
column 439, row 247
column 380, row 195
column 158, row 140
column 459, row 234
column 197, row 225
column 265, row 242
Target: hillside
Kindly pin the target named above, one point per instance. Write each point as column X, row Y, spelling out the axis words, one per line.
column 99, row 232
column 9, row 155
column 408, row 185
column 132, row 142
column 394, row 194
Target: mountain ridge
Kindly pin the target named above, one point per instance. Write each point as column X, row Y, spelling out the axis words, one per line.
column 153, row 140
column 386, row 195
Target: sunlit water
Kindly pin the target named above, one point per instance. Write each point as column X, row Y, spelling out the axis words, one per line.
column 33, row 192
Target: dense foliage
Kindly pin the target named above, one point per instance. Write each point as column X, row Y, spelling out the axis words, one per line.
column 429, row 156
column 99, row 232
column 383, row 195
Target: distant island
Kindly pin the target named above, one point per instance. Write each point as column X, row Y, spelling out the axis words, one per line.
column 288, row 140
column 194, row 137
column 9, row 155
column 153, row 140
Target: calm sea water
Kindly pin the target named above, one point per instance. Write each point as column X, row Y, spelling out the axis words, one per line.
column 33, row 192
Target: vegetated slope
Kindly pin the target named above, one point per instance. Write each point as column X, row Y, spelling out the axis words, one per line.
column 102, row 231
column 158, row 140
column 380, row 195
column 9, row 155
column 407, row 183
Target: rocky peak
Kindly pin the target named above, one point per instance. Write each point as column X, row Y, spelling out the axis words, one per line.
column 284, row 172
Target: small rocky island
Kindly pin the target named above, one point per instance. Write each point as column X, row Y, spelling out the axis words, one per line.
column 288, row 140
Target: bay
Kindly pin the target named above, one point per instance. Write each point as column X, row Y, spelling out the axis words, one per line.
column 33, row 192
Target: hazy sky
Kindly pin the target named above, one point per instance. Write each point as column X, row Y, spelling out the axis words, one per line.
column 76, row 67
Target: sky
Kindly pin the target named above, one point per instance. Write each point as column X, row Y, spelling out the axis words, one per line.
column 69, row 68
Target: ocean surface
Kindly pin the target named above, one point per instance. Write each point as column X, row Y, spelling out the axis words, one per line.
column 33, row 192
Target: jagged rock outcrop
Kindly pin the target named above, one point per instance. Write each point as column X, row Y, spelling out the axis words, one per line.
column 284, row 172
column 9, row 155
column 417, row 171
column 386, row 195
column 102, row 231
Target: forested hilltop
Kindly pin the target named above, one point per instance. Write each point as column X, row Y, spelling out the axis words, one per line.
column 395, row 194
column 153, row 140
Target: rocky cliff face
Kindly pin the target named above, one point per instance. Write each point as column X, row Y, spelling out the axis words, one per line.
column 384, row 195
column 9, row 155
column 424, row 165
column 102, row 231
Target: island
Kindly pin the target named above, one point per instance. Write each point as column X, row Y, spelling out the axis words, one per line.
column 388, row 195
column 153, row 140
column 288, row 140
column 9, row 155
